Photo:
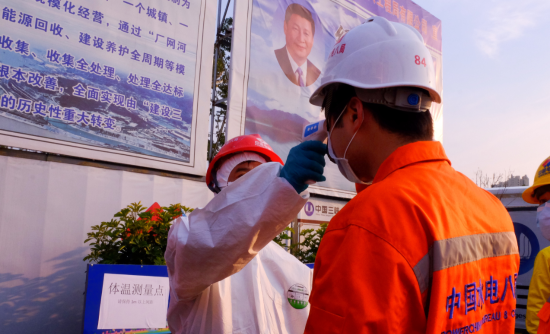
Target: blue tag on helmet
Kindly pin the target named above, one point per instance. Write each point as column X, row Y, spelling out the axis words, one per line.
column 413, row 99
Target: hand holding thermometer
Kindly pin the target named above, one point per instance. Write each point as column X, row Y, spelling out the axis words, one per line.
column 306, row 161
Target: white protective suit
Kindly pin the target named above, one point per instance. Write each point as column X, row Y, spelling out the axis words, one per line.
column 226, row 275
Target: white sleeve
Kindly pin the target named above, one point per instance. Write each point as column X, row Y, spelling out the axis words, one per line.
column 221, row 238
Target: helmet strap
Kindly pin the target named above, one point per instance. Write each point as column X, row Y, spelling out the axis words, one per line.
column 214, row 186
column 411, row 99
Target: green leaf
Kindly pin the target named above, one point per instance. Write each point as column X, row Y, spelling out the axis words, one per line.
column 127, row 240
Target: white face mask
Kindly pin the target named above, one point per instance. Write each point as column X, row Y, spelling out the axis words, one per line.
column 223, row 172
column 343, row 163
column 228, row 184
column 543, row 219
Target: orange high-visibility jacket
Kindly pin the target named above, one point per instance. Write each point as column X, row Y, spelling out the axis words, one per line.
column 422, row 250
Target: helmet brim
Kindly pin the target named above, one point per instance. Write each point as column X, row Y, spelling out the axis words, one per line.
column 528, row 195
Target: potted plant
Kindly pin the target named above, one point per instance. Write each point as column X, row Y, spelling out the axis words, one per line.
column 132, row 243
column 134, row 235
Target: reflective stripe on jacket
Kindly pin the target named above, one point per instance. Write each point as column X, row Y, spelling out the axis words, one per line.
column 422, row 250
column 539, row 289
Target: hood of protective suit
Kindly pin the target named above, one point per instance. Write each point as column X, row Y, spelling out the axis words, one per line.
column 222, row 175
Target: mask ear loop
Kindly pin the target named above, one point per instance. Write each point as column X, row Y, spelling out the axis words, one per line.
column 330, row 134
column 329, row 146
column 336, row 122
column 362, row 120
column 326, row 106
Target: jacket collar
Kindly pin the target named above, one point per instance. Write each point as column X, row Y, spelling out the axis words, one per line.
column 421, row 151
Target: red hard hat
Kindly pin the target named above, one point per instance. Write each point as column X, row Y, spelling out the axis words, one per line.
column 246, row 143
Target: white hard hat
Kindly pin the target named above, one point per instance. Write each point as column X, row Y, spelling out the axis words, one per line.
column 380, row 54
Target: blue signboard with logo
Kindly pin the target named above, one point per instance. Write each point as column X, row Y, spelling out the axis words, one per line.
column 529, row 247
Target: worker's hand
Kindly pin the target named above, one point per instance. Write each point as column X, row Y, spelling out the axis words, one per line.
column 305, row 165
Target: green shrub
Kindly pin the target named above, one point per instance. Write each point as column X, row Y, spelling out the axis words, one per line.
column 305, row 251
column 133, row 236
column 283, row 237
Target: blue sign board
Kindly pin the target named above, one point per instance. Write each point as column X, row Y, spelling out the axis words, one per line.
column 94, row 286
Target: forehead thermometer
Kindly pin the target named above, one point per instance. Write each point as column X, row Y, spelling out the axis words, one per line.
column 315, row 131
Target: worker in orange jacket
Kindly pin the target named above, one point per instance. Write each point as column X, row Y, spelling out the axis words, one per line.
column 422, row 249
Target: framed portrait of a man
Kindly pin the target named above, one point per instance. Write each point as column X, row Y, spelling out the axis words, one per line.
column 299, row 30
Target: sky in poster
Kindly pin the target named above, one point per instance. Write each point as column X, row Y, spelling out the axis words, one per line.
column 112, row 74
